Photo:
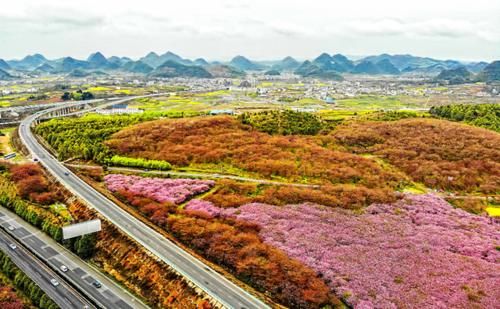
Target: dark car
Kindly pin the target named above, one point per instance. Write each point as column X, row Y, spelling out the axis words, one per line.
column 97, row 284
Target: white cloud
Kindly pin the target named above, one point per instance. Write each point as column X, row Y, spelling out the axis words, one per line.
column 259, row 28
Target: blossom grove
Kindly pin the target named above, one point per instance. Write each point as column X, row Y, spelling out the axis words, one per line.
column 161, row 190
column 418, row 252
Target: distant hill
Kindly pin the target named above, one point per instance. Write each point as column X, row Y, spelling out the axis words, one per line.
column 224, row 70
column 154, row 60
column 4, row 65
column 287, row 64
column 97, row 59
column 323, row 65
column 4, row 75
column 366, row 67
column 455, row 76
column 45, row 68
column 175, row 69
column 119, row 60
column 385, row 66
column 324, row 61
column 344, row 62
column 476, row 67
column 491, row 72
column 245, row 64
column 338, row 63
column 200, row 61
column 78, row 73
column 69, row 64
column 434, row 69
column 28, row 63
column 272, row 73
column 310, row 69
column 170, row 56
column 409, row 63
column 137, row 67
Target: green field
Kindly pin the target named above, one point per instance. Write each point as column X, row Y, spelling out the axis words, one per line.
column 379, row 102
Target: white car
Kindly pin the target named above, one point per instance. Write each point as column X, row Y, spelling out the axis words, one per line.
column 13, row 246
column 63, row 268
column 11, row 228
column 54, row 282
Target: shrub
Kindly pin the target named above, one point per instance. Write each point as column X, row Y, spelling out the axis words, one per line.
column 139, row 162
column 481, row 115
column 285, row 122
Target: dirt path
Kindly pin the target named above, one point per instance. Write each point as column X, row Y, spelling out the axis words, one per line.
column 201, row 175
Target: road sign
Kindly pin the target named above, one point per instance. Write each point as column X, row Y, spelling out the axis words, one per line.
column 82, row 228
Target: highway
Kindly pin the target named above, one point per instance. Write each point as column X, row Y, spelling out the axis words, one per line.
column 225, row 292
column 63, row 294
column 79, row 273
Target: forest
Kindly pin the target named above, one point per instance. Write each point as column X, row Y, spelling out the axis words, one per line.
column 481, row 115
column 359, row 254
column 83, row 137
column 224, row 140
column 135, row 268
column 24, row 283
column 110, row 249
column 9, row 298
column 25, row 190
column 440, row 154
column 232, row 244
column 356, row 174
column 284, row 122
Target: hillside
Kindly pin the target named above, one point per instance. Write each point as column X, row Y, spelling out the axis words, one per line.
column 456, row 76
column 222, row 70
column 45, row 68
column 28, row 63
column 245, row 64
column 402, row 62
column 329, row 63
column 309, row 69
column 69, row 64
column 200, row 61
column 98, row 61
column 342, row 61
column 4, row 75
column 491, row 72
column 325, row 66
column 137, row 67
column 152, row 59
column 366, row 67
column 286, row 64
column 363, row 170
column 174, row 69
column 4, row 65
column 385, row 66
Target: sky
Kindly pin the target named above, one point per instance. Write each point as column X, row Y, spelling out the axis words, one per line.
column 259, row 29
